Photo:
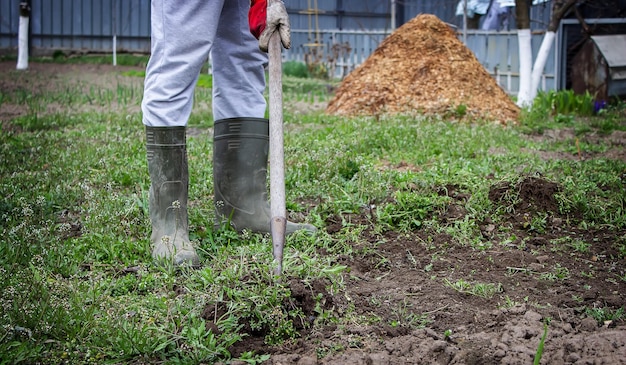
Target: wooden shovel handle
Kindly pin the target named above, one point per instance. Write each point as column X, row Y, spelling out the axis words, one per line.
column 278, row 208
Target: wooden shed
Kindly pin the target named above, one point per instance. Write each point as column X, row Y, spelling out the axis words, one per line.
column 600, row 67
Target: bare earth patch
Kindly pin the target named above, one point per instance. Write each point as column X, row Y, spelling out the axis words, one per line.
column 402, row 279
column 50, row 80
column 412, row 285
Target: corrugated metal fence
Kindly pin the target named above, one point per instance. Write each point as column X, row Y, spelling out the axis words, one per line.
column 80, row 25
column 91, row 25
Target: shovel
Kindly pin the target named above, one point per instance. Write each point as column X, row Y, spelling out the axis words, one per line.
column 278, row 222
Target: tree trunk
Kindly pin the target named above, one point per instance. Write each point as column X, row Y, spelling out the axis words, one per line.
column 522, row 13
column 22, row 38
column 540, row 63
column 559, row 9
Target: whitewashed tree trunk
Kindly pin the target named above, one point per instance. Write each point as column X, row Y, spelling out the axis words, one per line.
column 531, row 77
column 540, row 62
column 22, row 43
column 525, row 66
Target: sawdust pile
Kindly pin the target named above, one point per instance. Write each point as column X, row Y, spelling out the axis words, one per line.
column 423, row 68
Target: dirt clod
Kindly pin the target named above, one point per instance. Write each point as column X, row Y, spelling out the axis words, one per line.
column 531, row 194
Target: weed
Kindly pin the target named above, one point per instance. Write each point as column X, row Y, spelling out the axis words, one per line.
column 604, row 314
column 587, row 274
column 576, row 244
column 250, row 358
column 577, row 298
column 483, row 290
column 558, row 273
column 508, row 302
column 403, row 316
column 555, row 109
column 539, row 352
column 456, row 112
column 536, row 222
column 564, row 102
column 407, row 212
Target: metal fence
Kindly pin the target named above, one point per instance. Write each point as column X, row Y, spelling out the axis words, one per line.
column 91, row 25
column 98, row 25
column 79, row 25
column 498, row 52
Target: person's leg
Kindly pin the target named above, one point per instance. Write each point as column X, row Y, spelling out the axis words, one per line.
column 239, row 77
column 241, row 133
column 182, row 35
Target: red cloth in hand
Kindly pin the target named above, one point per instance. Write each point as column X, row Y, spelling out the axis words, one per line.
column 257, row 17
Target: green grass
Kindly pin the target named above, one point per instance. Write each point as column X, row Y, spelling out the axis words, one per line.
column 59, row 56
column 542, row 342
column 557, row 109
column 483, row 290
column 604, row 314
column 79, row 284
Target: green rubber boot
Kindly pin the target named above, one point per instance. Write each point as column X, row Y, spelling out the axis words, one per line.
column 169, row 176
column 240, row 153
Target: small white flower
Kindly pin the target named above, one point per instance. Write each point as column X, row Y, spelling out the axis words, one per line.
column 27, row 211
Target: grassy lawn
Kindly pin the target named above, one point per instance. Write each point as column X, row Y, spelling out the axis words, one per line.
column 78, row 281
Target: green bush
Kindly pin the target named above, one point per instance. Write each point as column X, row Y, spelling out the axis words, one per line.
column 295, row 69
column 565, row 102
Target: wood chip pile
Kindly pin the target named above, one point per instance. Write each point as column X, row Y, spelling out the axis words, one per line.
column 423, row 68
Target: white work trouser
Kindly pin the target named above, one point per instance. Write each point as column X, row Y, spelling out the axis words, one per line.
column 183, row 34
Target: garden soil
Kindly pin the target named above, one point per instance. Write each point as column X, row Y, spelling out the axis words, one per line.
column 400, row 279
column 423, row 68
